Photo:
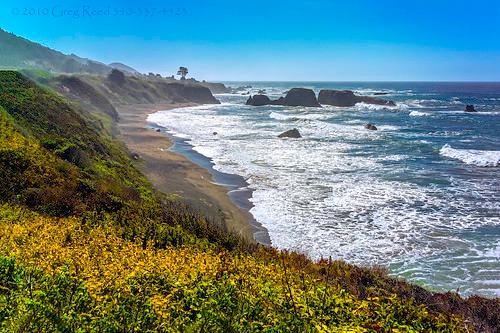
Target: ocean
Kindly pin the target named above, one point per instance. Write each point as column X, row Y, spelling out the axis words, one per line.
column 419, row 196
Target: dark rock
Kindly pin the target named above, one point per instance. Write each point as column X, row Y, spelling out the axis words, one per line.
column 337, row 97
column 261, row 91
column 183, row 93
column 374, row 100
column 380, row 93
column 346, row 98
column 158, row 130
column 279, row 101
column 371, row 127
column 295, row 97
column 293, row 133
column 217, row 88
column 258, row 100
column 301, row 97
column 470, row 108
column 214, row 133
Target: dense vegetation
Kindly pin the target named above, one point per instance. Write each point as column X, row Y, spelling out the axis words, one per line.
column 86, row 245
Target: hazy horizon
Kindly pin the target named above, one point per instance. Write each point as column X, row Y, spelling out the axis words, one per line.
column 383, row 41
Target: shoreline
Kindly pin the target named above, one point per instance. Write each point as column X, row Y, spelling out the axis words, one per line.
column 174, row 167
column 237, row 188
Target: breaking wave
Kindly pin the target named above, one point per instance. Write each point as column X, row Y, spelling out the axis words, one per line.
column 481, row 158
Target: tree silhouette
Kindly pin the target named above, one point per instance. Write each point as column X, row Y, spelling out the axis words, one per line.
column 183, row 71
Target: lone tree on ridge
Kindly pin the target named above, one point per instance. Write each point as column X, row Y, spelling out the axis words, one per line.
column 183, row 71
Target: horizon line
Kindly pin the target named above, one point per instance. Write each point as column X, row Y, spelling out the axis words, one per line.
column 357, row 81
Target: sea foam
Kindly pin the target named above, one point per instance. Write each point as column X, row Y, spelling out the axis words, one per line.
column 368, row 197
column 418, row 114
column 482, row 158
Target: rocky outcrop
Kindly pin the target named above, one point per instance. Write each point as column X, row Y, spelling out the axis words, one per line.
column 337, row 97
column 306, row 97
column 301, row 97
column 346, row 98
column 216, row 88
column 258, row 100
column 279, row 101
column 470, row 108
column 293, row 133
column 371, row 127
column 191, row 93
column 374, row 100
column 294, row 97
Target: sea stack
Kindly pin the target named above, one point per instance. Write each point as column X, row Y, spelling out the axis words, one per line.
column 258, row 100
column 301, row 97
column 347, row 98
column 470, row 108
column 294, row 97
column 293, row 133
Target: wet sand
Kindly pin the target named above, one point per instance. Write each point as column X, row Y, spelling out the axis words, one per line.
column 173, row 173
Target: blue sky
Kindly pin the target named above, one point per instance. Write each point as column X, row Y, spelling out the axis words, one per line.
column 313, row 40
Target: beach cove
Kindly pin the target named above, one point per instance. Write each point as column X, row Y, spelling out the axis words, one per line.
column 174, row 168
column 416, row 196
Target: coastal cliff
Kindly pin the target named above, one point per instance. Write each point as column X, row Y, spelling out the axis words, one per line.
column 133, row 90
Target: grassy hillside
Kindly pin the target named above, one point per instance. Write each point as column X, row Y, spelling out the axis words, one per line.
column 137, row 90
column 87, row 246
column 42, row 62
column 18, row 52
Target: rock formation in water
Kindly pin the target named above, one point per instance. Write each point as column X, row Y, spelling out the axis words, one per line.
column 301, row 97
column 371, row 127
column 470, row 108
column 294, row 97
column 306, row 97
column 258, row 100
column 346, row 98
column 293, row 133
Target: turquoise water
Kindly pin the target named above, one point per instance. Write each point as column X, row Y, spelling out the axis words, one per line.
column 420, row 195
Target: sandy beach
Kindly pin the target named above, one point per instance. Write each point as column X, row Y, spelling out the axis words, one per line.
column 173, row 173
